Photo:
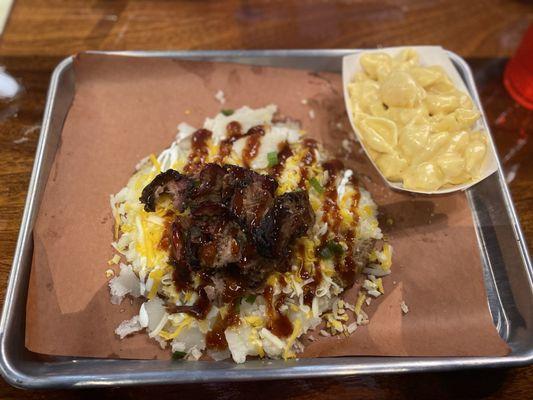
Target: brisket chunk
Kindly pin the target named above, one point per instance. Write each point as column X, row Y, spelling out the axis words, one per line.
column 232, row 222
column 171, row 182
column 289, row 218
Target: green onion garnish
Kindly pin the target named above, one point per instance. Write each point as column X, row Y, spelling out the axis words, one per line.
column 331, row 249
column 272, row 158
column 178, row 355
column 227, row 112
column 316, row 185
column 250, row 298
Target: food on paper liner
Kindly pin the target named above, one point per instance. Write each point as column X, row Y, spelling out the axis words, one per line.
column 241, row 238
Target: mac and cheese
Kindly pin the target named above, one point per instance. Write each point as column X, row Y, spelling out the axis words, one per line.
column 415, row 124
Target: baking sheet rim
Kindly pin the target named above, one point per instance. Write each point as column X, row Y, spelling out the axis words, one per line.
column 305, row 368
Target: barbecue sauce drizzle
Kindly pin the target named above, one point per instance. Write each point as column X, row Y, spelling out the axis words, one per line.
column 233, row 291
column 310, row 146
column 279, row 324
column 233, row 133
column 331, row 208
column 199, row 150
column 252, row 145
column 200, row 309
column 215, row 339
column 283, row 154
column 346, row 269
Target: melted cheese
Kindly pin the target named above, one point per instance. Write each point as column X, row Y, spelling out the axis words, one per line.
column 416, row 126
column 287, row 352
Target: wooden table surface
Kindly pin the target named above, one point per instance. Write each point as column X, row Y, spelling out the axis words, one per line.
column 39, row 33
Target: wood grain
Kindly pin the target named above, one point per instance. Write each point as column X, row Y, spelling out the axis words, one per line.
column 40, row 33
column 478, row 28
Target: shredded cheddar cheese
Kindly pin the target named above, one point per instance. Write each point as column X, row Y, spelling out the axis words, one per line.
column 139, row 235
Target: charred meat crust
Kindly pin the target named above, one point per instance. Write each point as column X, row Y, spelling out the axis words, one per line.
column 171, row 182
column 248, row 194
column 213, row 243
column 289, row 218
column 236, row 224
column 209, row 185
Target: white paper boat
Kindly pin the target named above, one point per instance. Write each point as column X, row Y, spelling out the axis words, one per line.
column 429, row 55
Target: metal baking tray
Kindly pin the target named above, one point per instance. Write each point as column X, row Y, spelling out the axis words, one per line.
column 507, row 269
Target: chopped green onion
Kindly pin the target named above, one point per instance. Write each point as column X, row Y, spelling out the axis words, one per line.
column 331, row 249
column 178, row 355
column 316, row 185
column 326, row 253
column 227, row 112
column 272, row 158
column 250, row 298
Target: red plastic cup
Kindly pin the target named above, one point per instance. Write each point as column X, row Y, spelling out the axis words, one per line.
column 518, row 75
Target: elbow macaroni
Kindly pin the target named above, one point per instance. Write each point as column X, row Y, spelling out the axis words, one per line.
column 415, row 124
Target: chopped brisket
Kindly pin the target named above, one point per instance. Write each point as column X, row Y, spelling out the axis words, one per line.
column 289, row 218
column 236, row 224
column 171, row 182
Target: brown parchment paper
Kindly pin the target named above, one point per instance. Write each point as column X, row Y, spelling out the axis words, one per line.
column 125, row 108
